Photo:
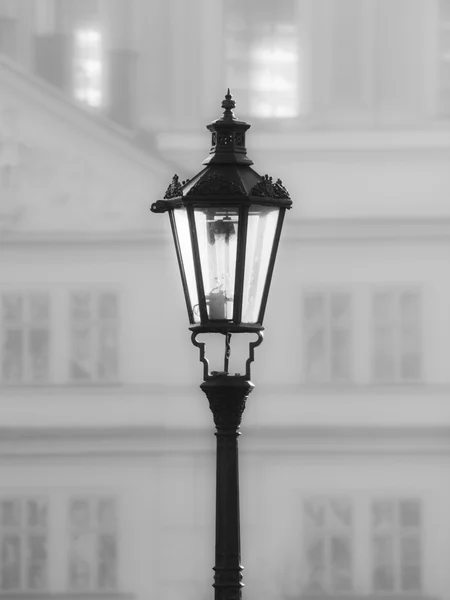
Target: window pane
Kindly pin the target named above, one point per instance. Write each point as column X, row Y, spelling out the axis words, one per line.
column 88, row 67
column 384, row 355
column 37, row 513
column 107, row 363
column 316, row 574
column 410, row 558
column 383, row 515
column 10, row 562
column 409, row 514
column 37, row 559
column 107, row 515
column 314, row 310
column 79, row 514
column 12, row 306
column 383, row 567
column 411, row 361
column 315, row 513
column 81, row 364
column 79, row 573
column 262, row 46
column 39, row 345
column 316, row 363
column 36, row 576
column 39, row 309
column 10, row 513
column 340, row 354
column 410, row 551
column 12, row 367
column 107, row 562
column 81, row 307
column 83, row 557
column 383, row 307
column 411, row 579
column 340, row 514
column 340, row 310
column 340, row 564
column 409, row 308
column 107, row 306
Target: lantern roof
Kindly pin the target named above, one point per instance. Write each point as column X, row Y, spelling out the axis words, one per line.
column 227, row 175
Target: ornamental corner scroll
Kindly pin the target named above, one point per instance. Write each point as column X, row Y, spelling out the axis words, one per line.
column 175, row 188
column 267, row 188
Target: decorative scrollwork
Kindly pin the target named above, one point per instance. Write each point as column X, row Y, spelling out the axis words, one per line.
column 175, row 189
column 215, row 184
column 267, row 188
column 239, row 138
column 225, row 139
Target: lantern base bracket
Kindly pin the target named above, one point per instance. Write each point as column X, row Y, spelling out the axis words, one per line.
column 207, row 375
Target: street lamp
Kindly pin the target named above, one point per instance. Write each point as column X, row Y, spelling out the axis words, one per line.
column 226, row 224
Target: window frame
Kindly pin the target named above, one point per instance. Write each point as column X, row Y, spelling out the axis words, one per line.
column 328, row 327
column 24, row 532
column 25, row 327
column 327, row 535
column 440, row 27
column 93, row 501
column 243, row 96
column 396, row 533
column 396, row 292
column 94, row 293
column 89, row 25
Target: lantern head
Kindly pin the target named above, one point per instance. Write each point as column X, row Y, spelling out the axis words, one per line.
column 226, row 223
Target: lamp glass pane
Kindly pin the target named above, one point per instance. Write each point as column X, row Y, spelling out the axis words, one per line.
column 217, row 232
column 184, row 240
column 262, row 225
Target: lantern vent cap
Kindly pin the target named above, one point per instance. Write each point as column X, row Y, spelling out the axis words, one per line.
column 228, row 137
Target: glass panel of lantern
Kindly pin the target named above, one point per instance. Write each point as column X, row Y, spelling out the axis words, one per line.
column 217, row 234
column 261, row 230
column 182, row 233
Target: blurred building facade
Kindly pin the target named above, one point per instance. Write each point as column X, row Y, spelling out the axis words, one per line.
column 106, row 446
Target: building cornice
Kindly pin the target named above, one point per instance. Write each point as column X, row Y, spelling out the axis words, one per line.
column 29, row 443
column 128, row 391
column 423, row 138
column 348, row 230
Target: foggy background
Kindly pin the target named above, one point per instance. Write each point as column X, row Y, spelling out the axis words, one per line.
column 107, row 452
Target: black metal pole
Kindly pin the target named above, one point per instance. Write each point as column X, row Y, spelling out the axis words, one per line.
column 227, row 396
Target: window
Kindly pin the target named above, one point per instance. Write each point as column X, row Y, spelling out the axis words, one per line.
column 327, row 336
column 25, row 337
column 444, row 58
column 94, row 318
column 262, row 56
column 8, row 28
column 87, row 65
column 93, row 544
column 23, row 541
column 396, row 546
column 397, row 336
column 328, row 553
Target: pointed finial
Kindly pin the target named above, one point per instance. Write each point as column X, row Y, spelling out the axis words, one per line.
column 228, row 104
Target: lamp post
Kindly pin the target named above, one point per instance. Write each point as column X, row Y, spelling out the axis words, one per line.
column 226, row 224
